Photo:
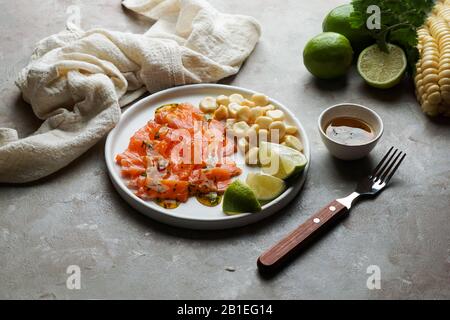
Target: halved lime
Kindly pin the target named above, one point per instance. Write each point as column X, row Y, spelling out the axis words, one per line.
column 280, row 161
column 266, row 187
column 382, row 69
column 239, row 198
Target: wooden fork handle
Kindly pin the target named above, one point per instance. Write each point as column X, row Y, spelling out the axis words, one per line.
column 300, row 237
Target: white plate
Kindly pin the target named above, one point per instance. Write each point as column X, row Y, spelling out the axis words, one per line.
column 191, row 214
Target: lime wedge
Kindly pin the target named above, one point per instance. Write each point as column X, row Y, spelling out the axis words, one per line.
column 280, row 161
column 266, row 187
column 381, row 69
column 239, row 198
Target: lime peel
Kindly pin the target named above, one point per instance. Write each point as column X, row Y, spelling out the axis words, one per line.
column 239, row 198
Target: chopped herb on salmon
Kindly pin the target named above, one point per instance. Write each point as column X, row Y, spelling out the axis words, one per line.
column 181, row 153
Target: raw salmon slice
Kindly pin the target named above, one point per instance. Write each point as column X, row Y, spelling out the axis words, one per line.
column 180, row 153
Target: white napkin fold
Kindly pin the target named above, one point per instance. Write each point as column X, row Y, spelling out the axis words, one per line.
column 76, row 81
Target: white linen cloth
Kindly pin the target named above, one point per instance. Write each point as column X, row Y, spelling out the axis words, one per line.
column 76, row 81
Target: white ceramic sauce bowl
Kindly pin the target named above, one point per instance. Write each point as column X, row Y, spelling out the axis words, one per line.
column 350, row 152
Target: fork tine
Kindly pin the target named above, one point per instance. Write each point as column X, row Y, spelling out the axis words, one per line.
column 383, row 168
column 395, row 168
column 391, row 165
column 380, row 163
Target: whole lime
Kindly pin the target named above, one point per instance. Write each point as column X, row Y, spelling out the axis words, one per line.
column 338, row 20
column 328, row 55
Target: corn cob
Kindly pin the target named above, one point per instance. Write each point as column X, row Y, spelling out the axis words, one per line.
column 433, row 67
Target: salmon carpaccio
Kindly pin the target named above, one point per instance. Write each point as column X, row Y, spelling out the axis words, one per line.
column 182, row 152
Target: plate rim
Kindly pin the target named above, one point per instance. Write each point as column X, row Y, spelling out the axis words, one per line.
column 186, row 221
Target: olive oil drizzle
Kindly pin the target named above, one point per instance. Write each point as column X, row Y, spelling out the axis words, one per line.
column 211, row 199
column 167, row 204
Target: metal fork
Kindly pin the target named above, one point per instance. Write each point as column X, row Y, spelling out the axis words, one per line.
column 297, row 239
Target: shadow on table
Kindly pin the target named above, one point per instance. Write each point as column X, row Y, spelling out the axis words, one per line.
column 25, row 121
column 199, row 234
column 352, row 171
column 329, row 85
column 440, row 121
column 394, row 94
column 229, row 81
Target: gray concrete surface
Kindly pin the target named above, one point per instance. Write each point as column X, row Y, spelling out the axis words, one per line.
column 75, row 217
